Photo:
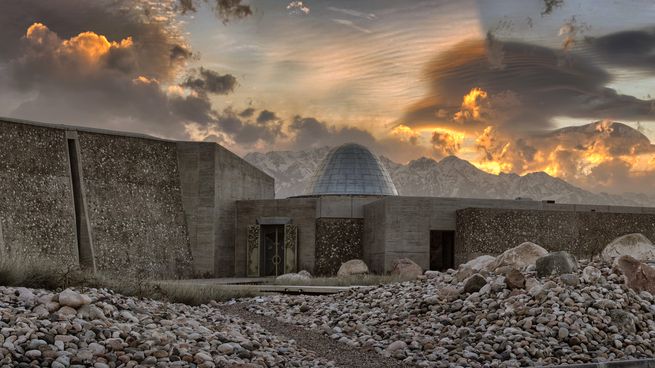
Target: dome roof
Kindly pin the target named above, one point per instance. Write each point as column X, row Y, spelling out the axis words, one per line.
column 351, row 169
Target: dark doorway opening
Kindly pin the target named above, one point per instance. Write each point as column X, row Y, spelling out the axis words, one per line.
column 272, row 250
column 84, row 249
column 442, row 250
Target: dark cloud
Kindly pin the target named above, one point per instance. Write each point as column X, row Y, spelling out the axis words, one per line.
column 539, row 83
column 105, row 63
column 266, row 116
column 226, row 10
column 630, row 49
column 246, row 113
column 209, row 81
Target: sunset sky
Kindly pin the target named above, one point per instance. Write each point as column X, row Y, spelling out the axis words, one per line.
column 510, row 85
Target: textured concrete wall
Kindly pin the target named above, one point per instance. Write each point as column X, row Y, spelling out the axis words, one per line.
column 301, row 211
column 584, row 234
column 398, row 227
column 337, row 240
column 144, row 213
column 213, row 178
column 36, row 208
column 134, row 205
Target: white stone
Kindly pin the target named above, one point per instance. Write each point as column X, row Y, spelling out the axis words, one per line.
column 519, row 257
column 353, row 267
column 635, row 245
column 73, row 299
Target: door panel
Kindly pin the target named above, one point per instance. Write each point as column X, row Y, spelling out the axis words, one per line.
column 253, row 250
column 272, row 255
column 291, row 248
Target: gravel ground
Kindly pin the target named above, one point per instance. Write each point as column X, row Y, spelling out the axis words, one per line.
column 587, row 316
column 100, row 329
column 342, row 354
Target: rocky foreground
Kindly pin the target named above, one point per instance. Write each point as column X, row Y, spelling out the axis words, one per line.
column 101, row 329
column 502, row 318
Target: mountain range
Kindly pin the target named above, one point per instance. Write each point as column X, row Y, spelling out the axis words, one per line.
column 449, row 177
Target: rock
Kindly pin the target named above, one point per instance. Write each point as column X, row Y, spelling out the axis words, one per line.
column 406, row 268
column 429, row 274
column 638, row 275
column 73, row 299
column 226, row 349
column 305, row 273
column 624, row 320
column 570, row 279
column 26, row 296
column 591, row 275
column 33, row 354
column 636, row 246
column 396, row 346
column 474, row 283
column 353, row 267
column 90, row 312
column 66, row 313
column 480, row 263
column 514, row 279
column 293, row 277
column 519, row 257
column 556, row 263
column 449, row 293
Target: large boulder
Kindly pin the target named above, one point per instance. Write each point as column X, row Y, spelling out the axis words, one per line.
column 353, row 267
column 638, row 275
column 73, row 299
column 519, row 257
column 294, row 277
column 636, row 246
column 406, row 268
column 479, row 263
column 556, row 263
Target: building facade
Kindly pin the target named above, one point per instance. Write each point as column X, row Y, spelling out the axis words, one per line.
column 122, row 203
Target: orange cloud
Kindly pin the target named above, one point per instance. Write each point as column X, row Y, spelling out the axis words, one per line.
column 471, row 108
column 87, row 50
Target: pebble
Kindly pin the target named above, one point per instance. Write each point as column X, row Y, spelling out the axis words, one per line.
column 101, row 329
column 585, row 316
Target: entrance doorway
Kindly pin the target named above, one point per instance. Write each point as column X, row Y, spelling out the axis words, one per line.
column 442, row 249
column 272, row 256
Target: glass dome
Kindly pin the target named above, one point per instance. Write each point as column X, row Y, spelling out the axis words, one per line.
column 351, row 169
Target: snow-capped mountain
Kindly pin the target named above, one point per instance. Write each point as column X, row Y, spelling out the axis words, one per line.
column 450, row 177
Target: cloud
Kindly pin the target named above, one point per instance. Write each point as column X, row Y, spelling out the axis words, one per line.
column 109, row 63
column 298, row 8
column 540, row 83
column 445, row 143
column 630, row 49
column 598, row 156
column 208, row 81
column 225, row 10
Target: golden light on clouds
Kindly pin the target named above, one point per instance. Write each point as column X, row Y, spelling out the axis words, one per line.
column 471, row 105
column 87, row 49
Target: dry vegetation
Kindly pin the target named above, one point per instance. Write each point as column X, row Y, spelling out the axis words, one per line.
column 47, row 276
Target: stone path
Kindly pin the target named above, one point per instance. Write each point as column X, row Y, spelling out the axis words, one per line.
column 342, row 354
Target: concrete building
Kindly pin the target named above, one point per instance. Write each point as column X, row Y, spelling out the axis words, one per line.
column 116, row 203
column 351, row 210
column 125, row 203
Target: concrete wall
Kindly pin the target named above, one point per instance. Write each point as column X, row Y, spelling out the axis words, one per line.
column 156, row 207
column 36, row 208
column 212, row 180
column 584, row 234
column 134, row 204
column 337, row 240
column 397, row 227
column 301, row 211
